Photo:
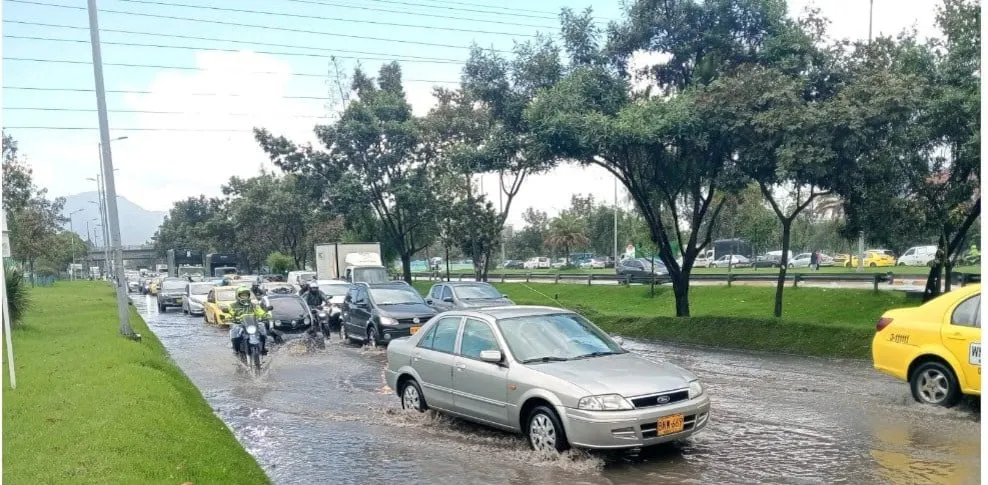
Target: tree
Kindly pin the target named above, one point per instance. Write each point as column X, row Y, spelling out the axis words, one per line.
column 280, row 263
column 191, row 223
column 654, row 143
column 567, row 232
column 530, row 241
column 374, row 157
column 17, row 179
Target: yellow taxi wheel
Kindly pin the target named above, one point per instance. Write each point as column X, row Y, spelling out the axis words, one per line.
column 872, row 265
column 935, row 383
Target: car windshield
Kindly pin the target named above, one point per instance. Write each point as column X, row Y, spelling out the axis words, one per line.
column 200, row 289
column 334, row 290
column 395, row 296
column 288, row 306
column 561, row 336
column 476, row 292
column 173, row 285
column 306, row 277
column 226, row 295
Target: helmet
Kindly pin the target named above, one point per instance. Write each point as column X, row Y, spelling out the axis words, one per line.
column 243, row 295
column 313, row 285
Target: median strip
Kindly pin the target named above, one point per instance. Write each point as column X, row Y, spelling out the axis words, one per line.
column 93, row 407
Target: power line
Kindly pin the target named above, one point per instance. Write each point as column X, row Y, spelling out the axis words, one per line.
column 481, row 5
column 94, row 128
column 220, row 49
column 128, row 91
column 458, row 9
column 191, row 68
column 316, row 17
column 418, row 14
column 155, row 112
column 216, row 39
column 255, row 26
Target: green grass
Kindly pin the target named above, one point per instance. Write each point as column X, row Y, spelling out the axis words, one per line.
column 816, row 321
column 93, row 407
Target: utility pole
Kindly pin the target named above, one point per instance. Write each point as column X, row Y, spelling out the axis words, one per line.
column 72, row 230
column 871, row 12
column 123, row 309
column 615, row 220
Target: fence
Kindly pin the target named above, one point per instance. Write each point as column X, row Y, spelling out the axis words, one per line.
column 875, row 279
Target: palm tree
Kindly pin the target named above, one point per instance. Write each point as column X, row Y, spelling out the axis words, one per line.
column 567, row 232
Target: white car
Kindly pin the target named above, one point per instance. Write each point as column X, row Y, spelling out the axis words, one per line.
column 918, row 256
column 801, row 260
column 734, row 260
column 538, row 263
column 194, row 300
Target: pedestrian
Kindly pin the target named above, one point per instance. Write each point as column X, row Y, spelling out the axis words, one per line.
column 813, row 259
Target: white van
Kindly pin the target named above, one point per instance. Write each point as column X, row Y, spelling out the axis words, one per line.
column 918, row 256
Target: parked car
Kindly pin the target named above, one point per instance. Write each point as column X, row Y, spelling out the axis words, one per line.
column 514, row 264
column 194, row 301
column 170, row 293
column 639, row 268
column 547, row 373
column 734, row 260
column 538, row 263
column 935, row 347
column 460, row 295
column 376, row 314
column 873, row 258
column 801, row 260
column 918, row 256
column 288, row 311
column 826, row 260
column 558, row 263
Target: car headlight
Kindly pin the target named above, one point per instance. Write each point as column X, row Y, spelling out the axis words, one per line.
column 696, row 389
column 388, row 321
column 225, row 308
column 251, row 329
column 606, row 402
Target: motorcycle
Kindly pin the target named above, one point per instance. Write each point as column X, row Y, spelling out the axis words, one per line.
column 250, row 347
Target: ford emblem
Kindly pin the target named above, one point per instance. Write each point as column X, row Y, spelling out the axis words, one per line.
column 662, row 400
column 415, row 320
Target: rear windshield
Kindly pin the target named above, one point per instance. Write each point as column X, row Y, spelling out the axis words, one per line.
column 173, row 285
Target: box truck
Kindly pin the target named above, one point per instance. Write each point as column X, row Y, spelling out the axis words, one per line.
column 353, row 262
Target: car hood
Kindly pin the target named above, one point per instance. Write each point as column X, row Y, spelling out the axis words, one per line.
column 171, row 292
column 200, row 299
column 336, row 300
column 406, row 311
column 625, row 374
column 486, row 303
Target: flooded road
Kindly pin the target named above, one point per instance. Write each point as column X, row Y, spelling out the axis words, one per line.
column 327, row 417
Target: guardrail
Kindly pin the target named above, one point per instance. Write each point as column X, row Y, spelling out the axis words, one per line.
column 875, row 279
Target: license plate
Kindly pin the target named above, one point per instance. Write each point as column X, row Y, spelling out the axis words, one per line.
column 670, row 424
column 412, row 330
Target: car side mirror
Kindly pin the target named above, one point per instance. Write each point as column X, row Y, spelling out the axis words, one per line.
column 269, row 307
column 492, row 356
column 504, row 296
column 428, row 301
column 448, row 300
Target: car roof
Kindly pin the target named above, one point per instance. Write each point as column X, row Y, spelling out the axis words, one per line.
column 463, row 283
column 282, row 296
column 511, row 311
column 333, row 282
column 396, row 284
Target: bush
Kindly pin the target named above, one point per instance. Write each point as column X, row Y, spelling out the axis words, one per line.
column 17, row 297
column 280, row 263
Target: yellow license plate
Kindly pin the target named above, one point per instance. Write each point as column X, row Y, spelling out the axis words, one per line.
column 670, row 424
column 412, row 330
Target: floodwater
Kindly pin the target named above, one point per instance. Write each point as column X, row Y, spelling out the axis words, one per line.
column 326, row 416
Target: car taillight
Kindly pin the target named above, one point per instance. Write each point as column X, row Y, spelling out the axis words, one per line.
column 882, row 323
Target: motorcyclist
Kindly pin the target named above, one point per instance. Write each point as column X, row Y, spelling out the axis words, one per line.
column 313, row 296
column 241, row 308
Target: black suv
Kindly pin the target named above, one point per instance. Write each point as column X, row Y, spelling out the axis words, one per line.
column 170, row 293
column 377, row 313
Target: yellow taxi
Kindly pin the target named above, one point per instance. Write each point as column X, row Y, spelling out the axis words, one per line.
column 936, row 347
column 216, row 310
column 873, row 258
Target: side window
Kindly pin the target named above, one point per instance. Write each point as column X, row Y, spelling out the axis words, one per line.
column 351, row 295
column 636, row 265
column 477, row 337
column 443, row 338
column 436, row 291
column 967, row 314
column 447, row 293
column 909, row 252
column 426, row 341
column 211, row 297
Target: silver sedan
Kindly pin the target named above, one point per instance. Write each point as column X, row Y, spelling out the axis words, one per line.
column 547, row 373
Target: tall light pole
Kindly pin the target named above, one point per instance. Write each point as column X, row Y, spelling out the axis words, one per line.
column 102, row 225
column 72, row 230
column 615, row 220
column 871, row 12
column 123, row 310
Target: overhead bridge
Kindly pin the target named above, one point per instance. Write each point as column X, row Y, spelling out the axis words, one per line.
column 142, row 254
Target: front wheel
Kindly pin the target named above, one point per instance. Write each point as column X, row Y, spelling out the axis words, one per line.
column 255, row 360
column 935, row 383
column 545, row 432
column 371, row 339
column 411, row 397
column 872, row 265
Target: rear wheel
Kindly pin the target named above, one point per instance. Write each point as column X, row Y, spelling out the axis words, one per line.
column 872, row 265
column 545, row 432
column 935, row 383
column 411, row 396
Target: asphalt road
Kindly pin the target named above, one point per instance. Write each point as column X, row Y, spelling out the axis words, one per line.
column 326, row 416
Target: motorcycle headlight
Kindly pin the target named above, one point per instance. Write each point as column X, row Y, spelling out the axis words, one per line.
column 605, row 402
column 251, row 329
column 388, row 321
column 696, row 389
column 322, row 314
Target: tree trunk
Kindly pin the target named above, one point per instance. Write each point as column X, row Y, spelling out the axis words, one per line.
column 30, row 262
column 681, row 289
column 447, row 261
column 487, row 262
column 780, row 284
column 933, row 281
column 406, row 267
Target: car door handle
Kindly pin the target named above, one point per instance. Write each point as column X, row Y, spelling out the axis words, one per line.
column 416, row 357
column 461, row 367
column 956, row 336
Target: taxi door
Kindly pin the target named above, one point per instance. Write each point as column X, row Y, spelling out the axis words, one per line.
column 961, row 334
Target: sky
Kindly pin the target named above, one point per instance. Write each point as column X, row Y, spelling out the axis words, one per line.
column 188, row 118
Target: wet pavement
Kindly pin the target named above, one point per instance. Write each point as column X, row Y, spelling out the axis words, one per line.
column 327, row 417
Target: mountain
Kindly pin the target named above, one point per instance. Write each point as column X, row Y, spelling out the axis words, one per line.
column 137, row 224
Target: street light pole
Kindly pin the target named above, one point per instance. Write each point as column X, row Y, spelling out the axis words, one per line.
column 615, row 221
column 871, row 13
column 72, row 230
column 123, row 310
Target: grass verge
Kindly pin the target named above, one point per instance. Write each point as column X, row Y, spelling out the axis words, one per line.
column 93, row 407
column 816, row 321
column 898, row 270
